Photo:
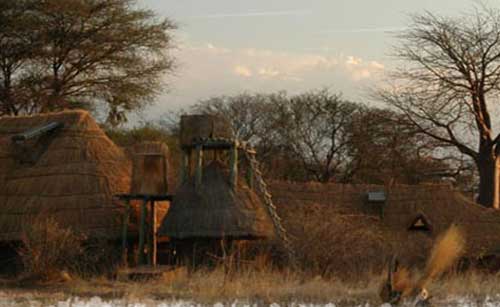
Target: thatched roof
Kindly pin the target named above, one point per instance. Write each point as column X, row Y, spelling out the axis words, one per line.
column 215, row 210
column 440, row 205
column 73, row 175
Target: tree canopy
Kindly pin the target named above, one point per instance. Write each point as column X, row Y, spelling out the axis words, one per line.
column 319, row 135
column 59, row 54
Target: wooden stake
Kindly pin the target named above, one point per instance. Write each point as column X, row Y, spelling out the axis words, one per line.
column 250, row 175
column 233, row 165
column 126, row 218
column 152, row 249
column 185, row 166
column 147, row 233
column 142, row 230
column 199, row 166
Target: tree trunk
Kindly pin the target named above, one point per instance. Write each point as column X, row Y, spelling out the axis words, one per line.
column 488, row 181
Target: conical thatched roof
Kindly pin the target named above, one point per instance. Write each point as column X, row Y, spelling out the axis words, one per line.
column 72, row 175
column 215, row 210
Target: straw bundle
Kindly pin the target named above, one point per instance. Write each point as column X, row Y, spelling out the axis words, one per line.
column 73, row 177
column 215, row 210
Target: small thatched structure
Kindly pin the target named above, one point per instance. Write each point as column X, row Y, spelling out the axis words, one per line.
column 150, row 168
column 150, row 176
column 214, row 210
column 70, row 174
column 194, row 127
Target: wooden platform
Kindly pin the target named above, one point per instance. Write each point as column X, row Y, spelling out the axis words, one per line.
column 165, row 272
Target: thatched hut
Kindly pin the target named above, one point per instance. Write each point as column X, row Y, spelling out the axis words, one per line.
column 213, row 217
column 409, row 216
column 70, row 173
column 216, row 210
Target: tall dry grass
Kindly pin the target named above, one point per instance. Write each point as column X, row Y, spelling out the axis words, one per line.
column 331, row 244
column 449, row 247
column 445, row 253
column 47, row 248
column 263, row 287
column 50, row 251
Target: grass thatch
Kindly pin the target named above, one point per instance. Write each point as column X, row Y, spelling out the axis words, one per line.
column 194, row 127
column 440, row 204
column 73, row 178
column 215, row 210
column 150, row 168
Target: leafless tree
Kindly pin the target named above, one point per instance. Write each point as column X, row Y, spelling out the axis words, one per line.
column 247, row 112
column 385, row 148
column 315, row 127
column 307, row 132
column 449, row 86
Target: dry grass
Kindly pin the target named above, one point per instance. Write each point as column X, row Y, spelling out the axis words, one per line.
column 331, row 244
column 50, row 252
column 247, row 285
column 449, row 247
column 446, row 251
column 265, row 287
column 47, row 249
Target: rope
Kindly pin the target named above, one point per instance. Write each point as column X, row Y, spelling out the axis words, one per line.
column 268, row 201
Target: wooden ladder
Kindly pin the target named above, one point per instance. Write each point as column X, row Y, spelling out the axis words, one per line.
column 268, row 201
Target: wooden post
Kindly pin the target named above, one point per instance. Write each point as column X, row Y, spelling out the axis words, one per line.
column 152, row 248
column 233, row 164
column 185, row 169
column 142, row 228
column 199, row 166
column 250, row 176
column 147, row 233
column 126, row 218
column 166, row 168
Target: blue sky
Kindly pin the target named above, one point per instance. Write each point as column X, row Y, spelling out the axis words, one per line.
column 230, row 46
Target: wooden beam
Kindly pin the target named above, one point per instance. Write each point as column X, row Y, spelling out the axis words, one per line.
column 146, row 197
column 185, row 168
column 142, row 228
column 153, row 242
column 147, row 232
column 233, row 164
column 126, row 219
column 199, row 166
column 250, row 176
column 35, row 132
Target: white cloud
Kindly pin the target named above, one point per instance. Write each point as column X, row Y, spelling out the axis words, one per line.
column 377, row 65
column 367, row 30
column 242, row 71
column 210, row 70
column 269, row 72
column 254, row 14
column 351, row 60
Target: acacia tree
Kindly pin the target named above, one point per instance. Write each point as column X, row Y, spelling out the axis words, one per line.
column 18, row 43
column 450, row 86
column 81, row 53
